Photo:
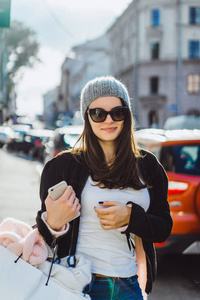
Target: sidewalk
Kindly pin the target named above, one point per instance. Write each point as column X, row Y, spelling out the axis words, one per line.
column 19, row 187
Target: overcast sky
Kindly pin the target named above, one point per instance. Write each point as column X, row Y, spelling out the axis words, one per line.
column 59, row 24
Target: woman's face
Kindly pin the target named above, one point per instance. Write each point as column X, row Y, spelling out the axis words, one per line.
column 108, row 130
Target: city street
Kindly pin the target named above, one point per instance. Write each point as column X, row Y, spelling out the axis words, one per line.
column 178, row 276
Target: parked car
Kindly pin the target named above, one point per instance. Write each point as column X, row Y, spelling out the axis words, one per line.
column 64, row 138
column 38, row 138
column 179, row 153
column 18, row 144
column 30, row 142
column 6, row 135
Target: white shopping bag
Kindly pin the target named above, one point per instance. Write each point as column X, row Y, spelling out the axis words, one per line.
column 22, row 281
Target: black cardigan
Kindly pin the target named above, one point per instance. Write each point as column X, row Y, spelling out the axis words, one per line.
column 152, row 226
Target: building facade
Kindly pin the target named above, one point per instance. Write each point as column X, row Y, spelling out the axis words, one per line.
column 155, row 51
column 85, row 62
column 50, row 101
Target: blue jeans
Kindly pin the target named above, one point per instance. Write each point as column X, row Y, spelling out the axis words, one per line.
column 113, row 288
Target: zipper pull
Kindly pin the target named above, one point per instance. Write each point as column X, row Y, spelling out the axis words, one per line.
column 54, row 242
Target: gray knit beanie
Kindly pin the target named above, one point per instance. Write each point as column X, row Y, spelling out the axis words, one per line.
column 102, row 87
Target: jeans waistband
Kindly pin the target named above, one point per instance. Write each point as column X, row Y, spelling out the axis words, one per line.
column 114, row 277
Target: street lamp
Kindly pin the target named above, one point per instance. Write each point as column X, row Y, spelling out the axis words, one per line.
column 5, row 13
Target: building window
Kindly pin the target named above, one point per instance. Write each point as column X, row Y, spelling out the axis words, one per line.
column 193, row 83
column 155, row 17
column 193, row 49
column 194, row 15
column 155, row 50
column 154, row 83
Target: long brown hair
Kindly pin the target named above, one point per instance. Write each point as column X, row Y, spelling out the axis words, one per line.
column 123, row 170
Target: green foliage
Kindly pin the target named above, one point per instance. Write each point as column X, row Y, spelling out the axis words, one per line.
column 22, row 49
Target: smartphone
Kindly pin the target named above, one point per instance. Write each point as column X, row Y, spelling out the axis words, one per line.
column 57, row 191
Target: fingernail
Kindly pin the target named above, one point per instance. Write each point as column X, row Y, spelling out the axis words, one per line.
column 101, row 202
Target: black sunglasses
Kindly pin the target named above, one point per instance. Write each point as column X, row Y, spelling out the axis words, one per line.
column 99, row 114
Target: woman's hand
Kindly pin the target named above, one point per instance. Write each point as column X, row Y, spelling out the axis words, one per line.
column 63, row 210
column 114, row 215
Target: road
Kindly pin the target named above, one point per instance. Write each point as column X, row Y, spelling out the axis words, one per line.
column 178, row 276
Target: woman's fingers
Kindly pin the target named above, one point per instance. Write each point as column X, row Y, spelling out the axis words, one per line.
column 69, row 194
column 114, row 216
column 76, row 201
column 63, row 210
column 76, row 205
column 48, row 200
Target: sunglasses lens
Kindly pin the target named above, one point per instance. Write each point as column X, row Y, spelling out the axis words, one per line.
column 97, row 114
column 118, row 114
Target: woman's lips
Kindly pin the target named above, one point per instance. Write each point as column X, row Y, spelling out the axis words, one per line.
column 109, row 129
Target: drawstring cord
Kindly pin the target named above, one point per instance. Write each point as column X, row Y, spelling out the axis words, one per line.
column 18, row 258
column 54, row 246
column 71, row 260
column 54, row 255
column 130, row 241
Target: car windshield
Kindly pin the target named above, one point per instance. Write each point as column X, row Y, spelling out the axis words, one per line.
column 183, row 159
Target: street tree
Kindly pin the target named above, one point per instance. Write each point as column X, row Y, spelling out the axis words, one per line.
column 22, row 50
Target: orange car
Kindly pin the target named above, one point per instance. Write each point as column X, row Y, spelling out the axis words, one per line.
column 179, row 153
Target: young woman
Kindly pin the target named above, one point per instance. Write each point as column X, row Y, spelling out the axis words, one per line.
column 120, row 191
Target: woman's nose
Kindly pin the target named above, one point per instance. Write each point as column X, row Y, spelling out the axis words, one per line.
column 109, row 119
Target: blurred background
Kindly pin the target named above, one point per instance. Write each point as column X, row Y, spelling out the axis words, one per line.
column 49, row 49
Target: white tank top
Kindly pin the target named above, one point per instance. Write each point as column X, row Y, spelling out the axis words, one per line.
column 107, row 250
